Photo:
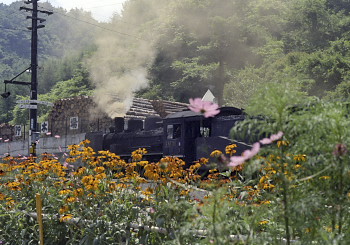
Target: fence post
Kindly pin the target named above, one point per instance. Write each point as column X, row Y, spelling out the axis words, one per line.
column 39, row 212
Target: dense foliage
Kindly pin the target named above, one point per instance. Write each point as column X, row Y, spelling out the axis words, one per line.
column 187, row 47
column 286, row 62
column 62, row 45
column 294, row 189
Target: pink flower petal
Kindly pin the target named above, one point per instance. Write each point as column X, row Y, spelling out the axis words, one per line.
column 57, row 136
column 277, row 136
column 253, row 151
column 236, row 161
column 207, row 108
column 266, row 141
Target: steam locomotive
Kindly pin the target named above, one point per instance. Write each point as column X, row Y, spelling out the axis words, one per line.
column 185, row 134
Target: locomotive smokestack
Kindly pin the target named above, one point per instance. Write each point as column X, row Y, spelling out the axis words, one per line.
column 119, row 124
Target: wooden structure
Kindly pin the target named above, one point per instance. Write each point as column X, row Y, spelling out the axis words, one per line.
column 80, row 114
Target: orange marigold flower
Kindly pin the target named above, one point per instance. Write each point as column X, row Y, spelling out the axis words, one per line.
column 138, row 154
column 63, row 209
column 71, row 199
column 78, row 192
column 101, row 176
column 300, row 157
column 230, row 149
column 119, row 175
column 80, row 171
column 64, row 192
column 184, row 192
column 264, row 222
column 99, row 169
column 66, row 217
column 216, row 153
column 10, row 202
column 282, row 143
column 13, row 184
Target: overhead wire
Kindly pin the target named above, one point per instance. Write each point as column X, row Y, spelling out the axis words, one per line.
column 101, row 6
column 87, row 22
column 12, row 29
column 99, row 1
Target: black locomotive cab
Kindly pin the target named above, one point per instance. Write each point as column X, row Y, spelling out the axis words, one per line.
column 191, row 136
column 184, row 134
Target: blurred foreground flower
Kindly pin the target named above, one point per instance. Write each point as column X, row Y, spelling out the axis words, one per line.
column 207, row 108
column 273, row 137
column 247, row 154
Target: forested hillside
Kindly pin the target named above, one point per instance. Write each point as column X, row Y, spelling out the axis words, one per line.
column 178, row 49
column 61, row 47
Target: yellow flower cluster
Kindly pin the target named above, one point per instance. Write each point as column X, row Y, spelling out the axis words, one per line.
column 230, row 149
column 103, row 174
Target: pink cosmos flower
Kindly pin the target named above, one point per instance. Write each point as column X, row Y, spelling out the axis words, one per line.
column 266, row 141
column 207, row 108
column 57, row 136
column 273, row 137
column 48, row 133
column 277, row 136
column 7, row 140
column 253, row 151
column 247, row 154
column 236, row 161
column 60, row 148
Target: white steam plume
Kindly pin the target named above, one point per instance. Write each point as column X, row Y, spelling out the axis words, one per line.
column 119, row 69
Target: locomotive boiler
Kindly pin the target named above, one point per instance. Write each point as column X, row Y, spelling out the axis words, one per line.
column 185, row 134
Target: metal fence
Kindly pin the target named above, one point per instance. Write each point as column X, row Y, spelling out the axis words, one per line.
column 51, row 128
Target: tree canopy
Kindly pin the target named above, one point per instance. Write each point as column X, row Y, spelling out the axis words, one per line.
column 178, row 49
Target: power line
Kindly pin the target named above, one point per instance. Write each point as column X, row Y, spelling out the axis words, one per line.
column 101, row 6
column 12, row 29
column 94, row 1
column 87, row 22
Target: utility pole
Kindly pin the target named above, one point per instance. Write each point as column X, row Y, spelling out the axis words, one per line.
column 33, row 129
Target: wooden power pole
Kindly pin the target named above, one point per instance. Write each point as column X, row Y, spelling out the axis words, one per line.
column 33, row 133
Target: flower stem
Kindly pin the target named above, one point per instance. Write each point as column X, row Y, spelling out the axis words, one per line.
column 214, row 221
column 341, row 187
column 285, row 205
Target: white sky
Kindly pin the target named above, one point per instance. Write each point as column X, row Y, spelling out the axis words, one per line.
column 101, row 10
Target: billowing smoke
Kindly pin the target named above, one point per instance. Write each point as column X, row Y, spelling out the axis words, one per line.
column 119, row 66
column 200, row 34
column 118, row 72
